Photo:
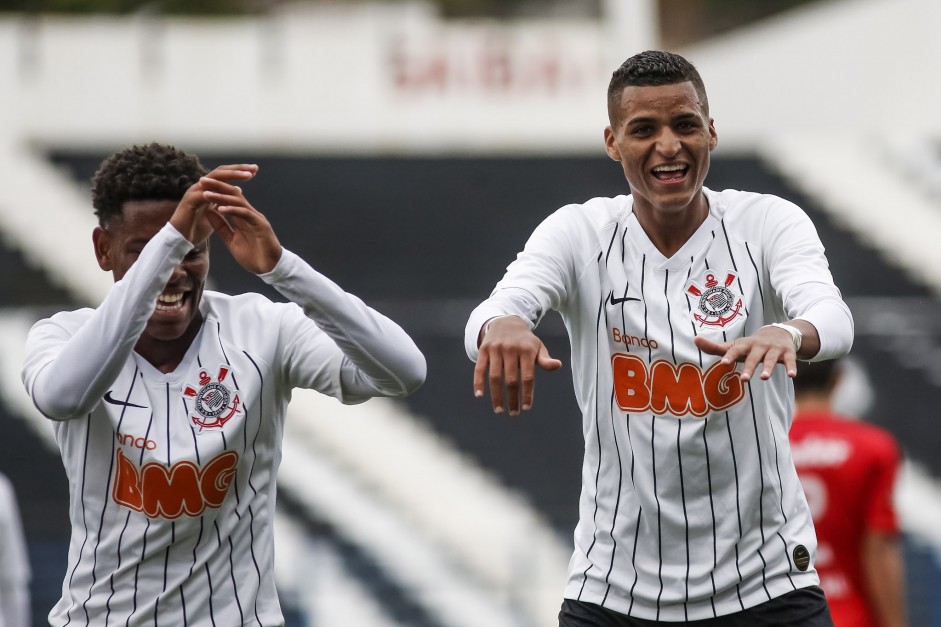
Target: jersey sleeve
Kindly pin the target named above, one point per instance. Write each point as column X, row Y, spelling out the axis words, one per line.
column 67, row 370
column 539, row 279
column 338, row 345
column 880, row 511
column 800, row 275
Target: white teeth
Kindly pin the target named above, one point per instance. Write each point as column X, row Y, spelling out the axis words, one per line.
column 166, row 302
column 669, row 168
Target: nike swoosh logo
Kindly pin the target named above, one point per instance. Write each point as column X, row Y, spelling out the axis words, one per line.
column 114, row 401
column 618, row 301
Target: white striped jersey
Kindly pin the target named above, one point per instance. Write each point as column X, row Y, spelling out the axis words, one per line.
column 690, row 505
column 172, row 475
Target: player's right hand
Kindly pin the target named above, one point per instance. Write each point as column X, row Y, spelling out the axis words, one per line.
column 509, row 354
column 191, row 217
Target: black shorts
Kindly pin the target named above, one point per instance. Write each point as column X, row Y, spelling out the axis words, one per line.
column 806, row 607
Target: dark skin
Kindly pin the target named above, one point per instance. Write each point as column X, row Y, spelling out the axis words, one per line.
column 215, row 204
column 662, row 136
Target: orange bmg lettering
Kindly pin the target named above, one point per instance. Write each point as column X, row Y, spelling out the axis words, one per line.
column 184, row 488
column 675, row 389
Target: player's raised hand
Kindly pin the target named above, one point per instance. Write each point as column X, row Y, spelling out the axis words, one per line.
column 509, row 354
column 766, row 347
column 244, row 230
column 191, row 217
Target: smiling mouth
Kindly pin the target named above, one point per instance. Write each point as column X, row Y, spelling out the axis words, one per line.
column 668, row 173
column 168, row 303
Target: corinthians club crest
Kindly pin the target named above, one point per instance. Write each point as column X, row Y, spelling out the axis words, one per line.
column 214, row 403
column 718, row 305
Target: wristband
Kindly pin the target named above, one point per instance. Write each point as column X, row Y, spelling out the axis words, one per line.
column 487, row 324
column 796, row 336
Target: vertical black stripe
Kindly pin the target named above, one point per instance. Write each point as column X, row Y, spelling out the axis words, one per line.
column 81, row 551
column 640, row 513
column 653, row 433
column 150, row 424
column 594, row 518
column 738, row 510
column 754, row 265
column 679, row 460
column 118, row 567
column 235, row 586
column 705, row 443
column 712, row 509
column 761, row 493
column 166, row 553
column 728, row 245
column 653, row 455
column 251, row 472
column 104, row 507
column 643, row 277
column 777, row 465
column 666, row 297
column 617, row 502
column 614, row 235
column 137, row 573
column 679, row 427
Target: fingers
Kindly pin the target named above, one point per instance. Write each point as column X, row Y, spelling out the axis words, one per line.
column 760, row 353
column 495, row 376
column 507, row 363
column 545, row 361
column 233, row 172
column 711, row 347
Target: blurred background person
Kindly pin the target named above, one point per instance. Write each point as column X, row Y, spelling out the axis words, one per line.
column 848, row 470
column 14, row 565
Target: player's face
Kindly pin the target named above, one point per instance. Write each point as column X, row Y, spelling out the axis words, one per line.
column 118, row 246
column 663, row 138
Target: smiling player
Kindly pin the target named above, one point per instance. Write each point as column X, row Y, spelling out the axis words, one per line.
column 691, row 510
column 169, row 400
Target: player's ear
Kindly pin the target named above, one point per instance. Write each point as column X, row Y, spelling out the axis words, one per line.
column 610, row 146
column 713, row 137
column 102, row 242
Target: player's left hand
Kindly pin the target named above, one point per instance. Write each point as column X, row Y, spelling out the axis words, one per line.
column 244, row 230
column 766, row 348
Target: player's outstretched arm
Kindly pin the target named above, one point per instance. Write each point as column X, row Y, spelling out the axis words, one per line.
column 509, row 354
column 766, row 347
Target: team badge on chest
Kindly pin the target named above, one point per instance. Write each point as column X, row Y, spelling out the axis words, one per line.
column 719, row 304
column 214, row 403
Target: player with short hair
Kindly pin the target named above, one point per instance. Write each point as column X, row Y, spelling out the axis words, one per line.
column 169, row 400
column 691, row 510
column 848, row 470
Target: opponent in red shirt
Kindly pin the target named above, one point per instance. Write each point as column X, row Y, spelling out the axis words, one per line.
column 848, row 470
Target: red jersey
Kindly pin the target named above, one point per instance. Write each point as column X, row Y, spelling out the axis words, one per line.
column 848, row 472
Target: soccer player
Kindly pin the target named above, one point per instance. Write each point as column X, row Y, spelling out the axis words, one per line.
column 848, row 470
column 168, row 400
column 14, row 561
column 691, row 509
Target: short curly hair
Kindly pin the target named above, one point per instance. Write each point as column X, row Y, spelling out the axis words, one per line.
column 653, row 68
column 142, row 172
